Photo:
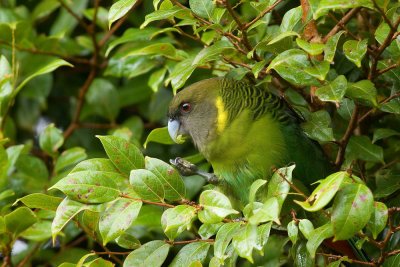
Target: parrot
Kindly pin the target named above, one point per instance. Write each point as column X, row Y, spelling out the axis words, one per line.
column 244, row 132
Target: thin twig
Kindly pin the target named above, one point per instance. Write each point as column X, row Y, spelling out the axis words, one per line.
column 161, row 204
column 369, row 112
column 29, row 255
column 346, row 137
column 261, row 15
column 341, row 22
column 76, row 16
column 348, row 260
column 189, row 241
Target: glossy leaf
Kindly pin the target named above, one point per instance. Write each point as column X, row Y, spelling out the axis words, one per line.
column 324, row 192
column 378, row 220
column 361, row 147
column 124, row 155
column 311, row 48
column 117, row 218
column 306, row 227
column 178, row 219
column 293, row 231
column 191, row 253
column 212, row 52
column 245, row 240
column 355, row 50
column 383, row 133
column 159, row 135
column 70, row 157
column 224, row 237
column 334, row 90
column 19, row 220
column 208, row 230
column 330, row 46
column 326, row 5
column 41, row 201
column 364, row 91
column 317, row 236
column 216, row 206
column 51, row 139
column 152, row 254
column 119, row 9
column 147, row 185
column 351, row 210
column 89, row 186
column 269, row 211
column 202, row 8
column 174, row 187
column 318, row 126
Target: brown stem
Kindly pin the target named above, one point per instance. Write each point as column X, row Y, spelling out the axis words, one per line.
column 346, row 259
column 293, row 186
column 110, row 252
column 189, row 241
column 262, row 14
column 76, row 16
column 161, row 204
column 369, row 112
column 341, row 22
column 346, row 137
column 29, row 255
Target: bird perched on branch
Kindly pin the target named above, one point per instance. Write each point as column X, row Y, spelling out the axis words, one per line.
column 244, row 131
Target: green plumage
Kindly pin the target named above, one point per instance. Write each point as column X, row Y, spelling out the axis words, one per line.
column 244, row 132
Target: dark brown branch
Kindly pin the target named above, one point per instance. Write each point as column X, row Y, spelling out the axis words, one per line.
column 383, row 14
column 340, row 24
column 293, row 186
column 369, row 112
column 382, row 71
column 346, row 137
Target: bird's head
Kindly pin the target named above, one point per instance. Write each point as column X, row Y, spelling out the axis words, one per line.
column 192, row 113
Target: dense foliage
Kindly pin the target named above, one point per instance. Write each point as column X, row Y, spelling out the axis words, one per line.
column 73, row 70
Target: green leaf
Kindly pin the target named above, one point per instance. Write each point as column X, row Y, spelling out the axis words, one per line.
column 208, row 230
column 40, row 201
column 360, row 147
column 128, row 241
column 67, row 210
column 393, row 106
column 355, row 50
column 181, row 73
column 306, row 227
column 156, row 78
column 124, row 155
column 69, row 157
column 290, row 62
column 378, row 220
column 117, row 218
column 291, row 20
column 165, row 49
column 330, row 46
column 102, row 97
column 89, row 186
column 255, row 186
column 364, row 91
column 351, row 210
column 211, row 52
column 178, row 219
column 317, row 236
column 191, row 253
column 324, row 192
column 392, row 261
column 151, row 254
column 269, row 211
column 147, row 185
column 326, row 5
column 245, row 240
column 311, row 48
column 263, row 232
column 319, row 69
column 216, row 206
column 40, row 65
column 40, row 231
column 334, row 90
column 19, row 220
column 174, row 187
column 202, row 8
column 119, row 9
column 279, row 186
column 159, row 135
column 162, row 14
column 293, row 231
column 383, row 133
column 318, row 126
column 51, row 139
column 224, row 237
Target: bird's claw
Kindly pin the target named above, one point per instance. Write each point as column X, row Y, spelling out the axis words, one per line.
column 186, row 168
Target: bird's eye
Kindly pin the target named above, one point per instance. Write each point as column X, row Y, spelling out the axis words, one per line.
column 186, row 108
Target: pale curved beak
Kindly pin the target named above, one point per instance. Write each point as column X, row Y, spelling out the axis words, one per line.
column 174, row 131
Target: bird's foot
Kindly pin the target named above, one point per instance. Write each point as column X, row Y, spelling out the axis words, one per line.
column 186, row 168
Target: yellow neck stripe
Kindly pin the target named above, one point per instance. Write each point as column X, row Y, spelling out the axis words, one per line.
column 222, row 115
